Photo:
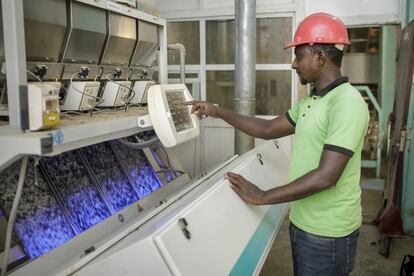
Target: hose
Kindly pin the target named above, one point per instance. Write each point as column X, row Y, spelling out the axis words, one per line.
column 140, row 145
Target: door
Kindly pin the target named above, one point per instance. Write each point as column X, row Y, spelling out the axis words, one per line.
column 220, row 234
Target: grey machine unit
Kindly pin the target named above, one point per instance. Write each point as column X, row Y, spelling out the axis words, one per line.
column 122, row 37
column 3, row 87
column 142, row 61
column 83, row 48
column 44, row 38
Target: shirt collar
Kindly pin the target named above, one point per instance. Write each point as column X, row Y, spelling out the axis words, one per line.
column 329, row 87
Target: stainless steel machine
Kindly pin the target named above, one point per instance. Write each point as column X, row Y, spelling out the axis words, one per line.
column 81, row 55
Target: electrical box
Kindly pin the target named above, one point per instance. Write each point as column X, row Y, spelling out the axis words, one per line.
column 116, row 93
column 141, row 91
column 171, row 118
column 81, row 96
column 43, row 105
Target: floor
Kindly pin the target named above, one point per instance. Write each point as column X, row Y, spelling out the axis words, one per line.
column 369, row 261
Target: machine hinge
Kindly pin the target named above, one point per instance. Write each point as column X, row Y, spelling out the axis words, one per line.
column 89, row 250
column 260, row 158
column 408, row 138
column 182, row 222
column 402, row 139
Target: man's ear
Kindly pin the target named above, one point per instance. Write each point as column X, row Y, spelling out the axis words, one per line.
column 320, row 57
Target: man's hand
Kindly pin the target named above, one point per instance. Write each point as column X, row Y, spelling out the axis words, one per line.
column 246, row 190
column 203, row 109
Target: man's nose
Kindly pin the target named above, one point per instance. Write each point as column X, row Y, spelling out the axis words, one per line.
column 294, row 64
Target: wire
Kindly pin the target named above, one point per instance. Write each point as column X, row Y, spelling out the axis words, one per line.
column 120, row 84
column 2, row 95
column 168, row 160
column 145, row 90
column 171, row 171
column 34, row 75
column 12, row 216
column 77, row 90
column 140, row 145
column 144, row 76
column 144, row 94
column 68, row 112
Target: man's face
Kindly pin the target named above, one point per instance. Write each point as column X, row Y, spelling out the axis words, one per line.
column 305, row 64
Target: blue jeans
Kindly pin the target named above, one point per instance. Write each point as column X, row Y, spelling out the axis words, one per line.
column 322, row 256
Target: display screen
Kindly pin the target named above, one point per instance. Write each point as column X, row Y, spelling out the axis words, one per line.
column 179, row 111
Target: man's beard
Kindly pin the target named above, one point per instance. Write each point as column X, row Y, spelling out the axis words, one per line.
column 303, row 81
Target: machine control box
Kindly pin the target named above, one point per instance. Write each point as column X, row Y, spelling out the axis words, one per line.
column 171, row 118
column 141, row 92
column 116, row 93
column 43, row 105
column 81, row 96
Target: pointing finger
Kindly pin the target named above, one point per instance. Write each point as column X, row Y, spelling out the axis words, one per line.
column 194, row 108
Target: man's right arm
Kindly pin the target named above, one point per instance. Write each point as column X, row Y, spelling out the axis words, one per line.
column 256, row 127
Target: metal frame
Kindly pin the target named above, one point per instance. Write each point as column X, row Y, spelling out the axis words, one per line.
column 14, row 142
column 203, row 67
column 407, row 203
column 374, row 163
column 15, row 55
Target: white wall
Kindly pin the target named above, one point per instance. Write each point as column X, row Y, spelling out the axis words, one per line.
column 172, row 9
column 359, row 12
column 352, row 12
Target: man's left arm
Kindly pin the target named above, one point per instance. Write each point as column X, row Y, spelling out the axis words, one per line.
column 348, row 122
column 330, row 168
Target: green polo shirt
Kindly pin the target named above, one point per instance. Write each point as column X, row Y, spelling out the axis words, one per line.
column 336, row 120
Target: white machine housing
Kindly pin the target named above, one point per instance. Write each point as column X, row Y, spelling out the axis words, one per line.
column 141, row 92
column 77, row 96
column 43, row 105
column 202, row 228
column 171, row 119
column 116, row 93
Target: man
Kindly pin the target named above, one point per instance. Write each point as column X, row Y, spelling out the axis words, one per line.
column 324, row 172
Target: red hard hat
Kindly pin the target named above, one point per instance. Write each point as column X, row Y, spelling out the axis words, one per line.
column 321, row 28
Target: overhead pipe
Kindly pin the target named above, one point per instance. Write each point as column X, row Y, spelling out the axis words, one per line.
column 181, row 49
column 245, row 101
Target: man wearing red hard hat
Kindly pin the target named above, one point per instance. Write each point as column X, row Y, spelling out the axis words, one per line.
column 324, row 171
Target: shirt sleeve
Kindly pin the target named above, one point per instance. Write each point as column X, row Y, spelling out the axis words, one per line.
column 293, row 114
column 348, row 124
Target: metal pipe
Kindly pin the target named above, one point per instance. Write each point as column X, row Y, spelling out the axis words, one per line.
column 181, row 49
column 245, row 101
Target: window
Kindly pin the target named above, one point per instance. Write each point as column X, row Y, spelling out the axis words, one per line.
column 188, row 34
column 273, row 74
column 363, row 40
column 220, row 88
column 220, row 41
column 271, row 35
column 273, row 90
